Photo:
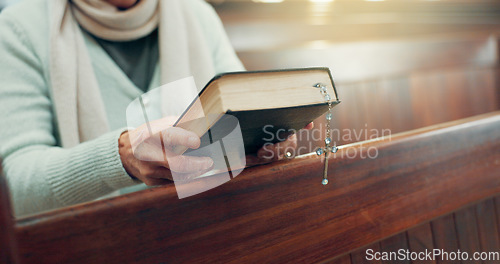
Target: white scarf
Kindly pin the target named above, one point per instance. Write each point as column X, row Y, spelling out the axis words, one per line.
column 76, row 96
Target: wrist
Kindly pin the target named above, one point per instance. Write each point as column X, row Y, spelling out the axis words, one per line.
column 125, row 150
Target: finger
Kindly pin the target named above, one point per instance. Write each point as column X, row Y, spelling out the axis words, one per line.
column 288, row 145
column 149, row 150
column 176, row 136
column 189, row 164
column 182, row 177
column 267, row 152
column 157, row 172
column 252, row 160
column 162, row 173
column 156, row 182
column 270, row 152
column 156, row 126
column 291, row 142
column 309, row 126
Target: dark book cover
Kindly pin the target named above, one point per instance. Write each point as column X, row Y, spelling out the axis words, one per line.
column 262, row 126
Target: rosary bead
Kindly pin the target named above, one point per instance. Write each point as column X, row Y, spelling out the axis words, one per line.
column 319, row 151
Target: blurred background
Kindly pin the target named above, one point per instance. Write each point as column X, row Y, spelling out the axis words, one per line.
column 397, row 64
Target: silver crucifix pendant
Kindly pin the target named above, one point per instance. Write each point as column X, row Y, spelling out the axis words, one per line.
column 325, row 171
column 326, row 151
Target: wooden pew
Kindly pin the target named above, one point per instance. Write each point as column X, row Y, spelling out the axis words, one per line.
column 392, row 71
column 430, row 188
column 280, row 213
column 399, row 77
column 401, row 84
column 8, row 246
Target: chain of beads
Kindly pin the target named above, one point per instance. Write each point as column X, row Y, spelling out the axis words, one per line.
column 328, row 140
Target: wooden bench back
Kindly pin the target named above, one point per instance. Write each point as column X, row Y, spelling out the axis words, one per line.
column 403, row 85
column 8, row 246
column 280, row 213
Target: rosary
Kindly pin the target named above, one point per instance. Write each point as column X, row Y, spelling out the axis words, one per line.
column 328, row 140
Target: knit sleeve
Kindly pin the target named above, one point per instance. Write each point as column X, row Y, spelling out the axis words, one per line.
column 41, row 175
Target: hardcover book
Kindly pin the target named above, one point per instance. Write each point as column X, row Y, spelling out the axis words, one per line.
column 265, row 103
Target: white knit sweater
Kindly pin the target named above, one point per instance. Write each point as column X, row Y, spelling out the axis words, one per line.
column 42, row 175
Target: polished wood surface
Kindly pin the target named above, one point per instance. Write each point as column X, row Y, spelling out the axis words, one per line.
column 8, row 249
column 420, row 239
column 392, row 72
column 366, row 61
column 398, row 85
column 471, row 229
column 280, row 212
column 397, row 65
column 418, row 100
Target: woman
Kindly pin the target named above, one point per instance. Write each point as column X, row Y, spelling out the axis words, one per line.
column 68, row 71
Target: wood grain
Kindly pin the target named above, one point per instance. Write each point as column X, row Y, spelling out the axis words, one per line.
column 393, row 105
column 397, row 84
column 445, row 238
column 344, row 259
column 420, row 240
column 280, row 212
column 487, row 226
column 395, row 244
column 467, row 231
column 360, row 256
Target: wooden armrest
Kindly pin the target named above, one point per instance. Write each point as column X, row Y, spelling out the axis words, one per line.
column 8, row 246
column 280, row 213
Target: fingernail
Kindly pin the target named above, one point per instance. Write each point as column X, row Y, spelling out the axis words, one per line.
column 208, row 163
column 193, row 141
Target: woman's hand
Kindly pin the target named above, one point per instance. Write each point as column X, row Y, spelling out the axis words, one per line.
column 150, row 158
column 147, row 153
column 273, row 152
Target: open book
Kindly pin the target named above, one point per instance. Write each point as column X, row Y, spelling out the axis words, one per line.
column 269, row 105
